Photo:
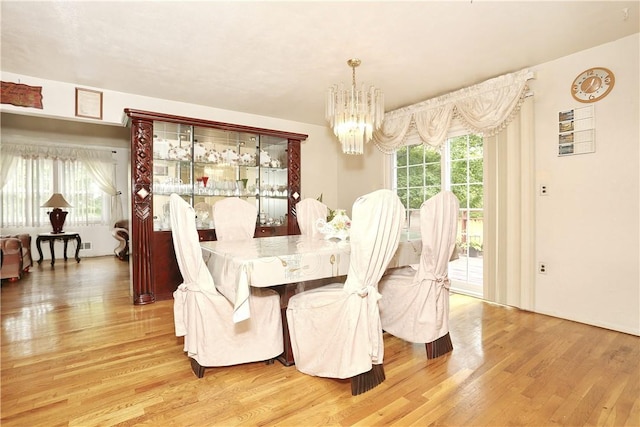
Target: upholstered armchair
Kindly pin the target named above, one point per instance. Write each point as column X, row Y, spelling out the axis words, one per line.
column 27, row 260
column 121, row 233
column 12, row 264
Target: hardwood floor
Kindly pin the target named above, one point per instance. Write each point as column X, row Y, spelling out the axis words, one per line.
column 76, row 352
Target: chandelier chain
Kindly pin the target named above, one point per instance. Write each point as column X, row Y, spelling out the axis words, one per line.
column 353, row 63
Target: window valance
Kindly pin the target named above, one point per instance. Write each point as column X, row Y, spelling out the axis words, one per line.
column 98, row 161
column 485, row 108
column 54, row 152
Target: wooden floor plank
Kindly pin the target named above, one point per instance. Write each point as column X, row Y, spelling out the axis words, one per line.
column 76, row 352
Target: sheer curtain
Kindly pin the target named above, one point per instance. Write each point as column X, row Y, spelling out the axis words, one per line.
column 5, row 165
column 27, row 187
column 100, row 165
column 33, row 172
column 500, row 111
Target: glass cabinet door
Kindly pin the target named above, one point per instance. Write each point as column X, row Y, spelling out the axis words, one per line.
column 172, row 168
column 205, row 165
column 273, row 181
column 224, row 166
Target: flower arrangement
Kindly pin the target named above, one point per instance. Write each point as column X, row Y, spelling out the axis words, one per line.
column 340, row 220
column 337, row 224
column 330, row 212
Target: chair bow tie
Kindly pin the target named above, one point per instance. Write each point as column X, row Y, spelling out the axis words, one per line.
column 192, row 286
column 441, row 281
column 369, row 290
column 444, row 281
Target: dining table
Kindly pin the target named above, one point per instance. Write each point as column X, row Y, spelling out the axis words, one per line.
column 277, row 261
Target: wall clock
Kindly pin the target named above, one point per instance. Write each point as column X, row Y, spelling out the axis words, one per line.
column 593, row 84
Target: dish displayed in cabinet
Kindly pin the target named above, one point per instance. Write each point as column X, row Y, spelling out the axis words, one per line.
column 203, row 165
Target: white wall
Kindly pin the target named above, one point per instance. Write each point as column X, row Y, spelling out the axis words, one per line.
column 587, row 228
column 360, row 175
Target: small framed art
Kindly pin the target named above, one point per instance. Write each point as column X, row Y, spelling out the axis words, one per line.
column 88, row 103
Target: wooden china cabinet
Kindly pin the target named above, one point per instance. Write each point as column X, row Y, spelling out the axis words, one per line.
column 203, row 161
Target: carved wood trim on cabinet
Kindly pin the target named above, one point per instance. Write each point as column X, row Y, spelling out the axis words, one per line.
column 293, row 171
column 142, row 218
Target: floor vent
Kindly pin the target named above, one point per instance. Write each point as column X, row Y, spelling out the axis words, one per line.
column 85, row 245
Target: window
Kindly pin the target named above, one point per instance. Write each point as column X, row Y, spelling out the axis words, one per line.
column 421, row 172
column 77, row 184
column 33, row 178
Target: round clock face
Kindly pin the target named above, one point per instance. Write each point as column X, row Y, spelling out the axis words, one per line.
column 592, row 84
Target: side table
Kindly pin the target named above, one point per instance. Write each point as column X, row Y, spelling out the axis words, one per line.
column 51, row 238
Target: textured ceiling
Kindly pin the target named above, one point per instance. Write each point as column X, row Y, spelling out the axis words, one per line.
column 277, row 58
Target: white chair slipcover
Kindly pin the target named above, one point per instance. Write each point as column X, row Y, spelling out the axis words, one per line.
column 335, row 330
column 308, row 211
column 204, row 317
column 415, row 304
column 234, row 219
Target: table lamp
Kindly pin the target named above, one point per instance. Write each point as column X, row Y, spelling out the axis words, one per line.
column 57, row 215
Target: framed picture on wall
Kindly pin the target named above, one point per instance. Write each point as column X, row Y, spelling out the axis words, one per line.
column 88, row 103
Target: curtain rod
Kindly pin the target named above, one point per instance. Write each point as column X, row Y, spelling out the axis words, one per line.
column 20, row 141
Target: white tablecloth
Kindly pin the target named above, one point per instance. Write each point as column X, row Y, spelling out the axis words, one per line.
column 270, row 261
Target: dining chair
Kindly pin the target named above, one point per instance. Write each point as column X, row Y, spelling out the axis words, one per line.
column 335, row 330
column 234, row 219
column 204, row 317
column 415, row 303
column 308, row 212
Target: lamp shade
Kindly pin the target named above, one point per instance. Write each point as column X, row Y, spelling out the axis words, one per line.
column 57, row 215
column 56, row 201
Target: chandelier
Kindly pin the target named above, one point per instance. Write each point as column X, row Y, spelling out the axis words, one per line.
column 354, row 113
